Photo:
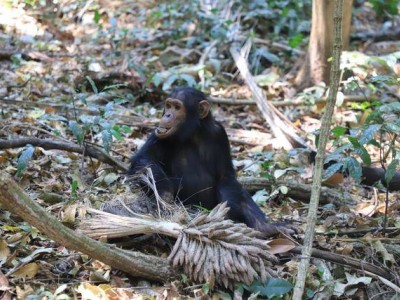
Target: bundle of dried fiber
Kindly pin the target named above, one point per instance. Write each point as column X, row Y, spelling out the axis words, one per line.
column 210, row 248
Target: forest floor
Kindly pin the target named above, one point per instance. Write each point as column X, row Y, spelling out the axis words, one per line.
column 81, row 74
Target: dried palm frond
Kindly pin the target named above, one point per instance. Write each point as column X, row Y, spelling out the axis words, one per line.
column 209, row 248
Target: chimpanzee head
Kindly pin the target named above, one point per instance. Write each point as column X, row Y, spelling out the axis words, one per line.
column 184, row 111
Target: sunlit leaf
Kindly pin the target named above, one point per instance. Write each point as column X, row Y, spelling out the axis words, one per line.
column 339, row 131
column 296, row 40
column 96, row 16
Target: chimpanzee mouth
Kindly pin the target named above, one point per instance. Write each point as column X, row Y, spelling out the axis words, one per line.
column 162, row 130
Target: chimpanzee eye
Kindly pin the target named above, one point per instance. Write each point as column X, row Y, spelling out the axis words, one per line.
column 177, row 107
column 167, row 105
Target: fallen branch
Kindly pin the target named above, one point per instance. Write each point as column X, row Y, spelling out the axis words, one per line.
column 90, row 150
column 347, row 261
column 298, row 191
column 280, row 126
column 15, row 200
column 233, row 101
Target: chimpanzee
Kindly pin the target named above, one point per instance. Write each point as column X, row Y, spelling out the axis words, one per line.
column 189, row 155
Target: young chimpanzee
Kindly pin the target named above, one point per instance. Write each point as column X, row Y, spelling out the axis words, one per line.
column 190, row 158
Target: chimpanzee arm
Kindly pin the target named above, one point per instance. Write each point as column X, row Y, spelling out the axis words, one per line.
column 150, row 156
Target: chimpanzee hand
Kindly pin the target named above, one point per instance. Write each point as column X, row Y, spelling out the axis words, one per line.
column 273, row 229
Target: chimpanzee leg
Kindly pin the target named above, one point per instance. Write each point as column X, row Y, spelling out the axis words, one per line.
column 242, row 207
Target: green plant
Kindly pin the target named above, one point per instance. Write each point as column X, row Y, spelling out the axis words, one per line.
column 383, row 122
column 273, row 288
column 385, row 7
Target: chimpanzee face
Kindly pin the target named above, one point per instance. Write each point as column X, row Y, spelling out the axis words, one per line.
column 176, row 116
column 173, row 118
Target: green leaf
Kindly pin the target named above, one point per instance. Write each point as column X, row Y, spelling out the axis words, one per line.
column 170, row 80
column 342, row 149
column 92, row 84
column 375, row 143
column 369, row 133
column 272, row 287
column 364, row 155
column 391, row 171
column 115, row 131
column 296, row 40
column 76, row 131
column 96, row 16
column 74, row 190
column 354, row 141
column 156, row 79
column 108, row 109
column 189, row 79
column 106, row 136
column 332, row 169
column 393, row 127
column 125, row 129
column 354, row 168
column 334, row 157
column 338, row 131
column 24, row 159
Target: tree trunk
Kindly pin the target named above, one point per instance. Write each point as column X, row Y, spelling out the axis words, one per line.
column 316, row 66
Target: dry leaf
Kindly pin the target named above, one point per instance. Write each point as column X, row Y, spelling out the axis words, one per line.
column 28, row 271
column 4, row 251
column 89, row 292
column 280, row 246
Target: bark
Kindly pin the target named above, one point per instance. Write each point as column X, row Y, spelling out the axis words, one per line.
column 15, row 200
column 316, row 66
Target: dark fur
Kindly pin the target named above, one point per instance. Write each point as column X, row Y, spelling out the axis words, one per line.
column 195, row 165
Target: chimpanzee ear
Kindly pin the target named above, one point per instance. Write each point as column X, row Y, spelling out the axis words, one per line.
column 204, row 109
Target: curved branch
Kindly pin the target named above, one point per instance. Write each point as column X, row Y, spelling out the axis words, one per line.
column 15, row 200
